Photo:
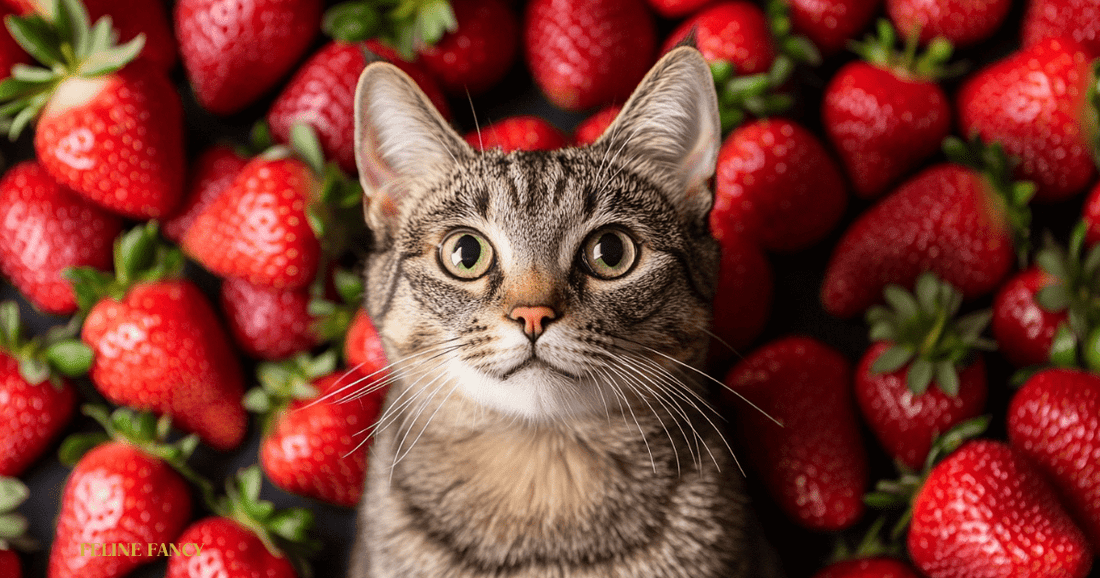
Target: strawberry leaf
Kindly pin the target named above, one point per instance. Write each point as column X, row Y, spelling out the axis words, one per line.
column 71, row 358
column 75, row 446
column 305, row 142
column 35, row 371
column 947, row 378
column 893, row 359
column 352, row 21
column 73, row 25
column 1063, row 347
column 919, row 376
column 108, row 61
column 37, row 37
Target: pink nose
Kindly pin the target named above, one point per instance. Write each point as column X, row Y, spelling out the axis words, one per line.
column 534, row 319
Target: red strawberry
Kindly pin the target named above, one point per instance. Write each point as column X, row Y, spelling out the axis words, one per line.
column 777, row 184
column 113, row 136
column 743, row 297
column 830, row 24
column 158, row 343
column 733, row 31
column 247, row 538
column 960, row 22
column 586, row 54
column 814, row 465
column 523, row 133
column 46, row 228
column 676, row 8
column 119, row 494
column 37, row 400
column 268, row 323
column 590, row 129
column 316, row 422
column 211, row 173
column 886, row 114
column 986, row 511
column 257, row 229
column 1077, row 19
column 363, row 350
column 9, row 565
column 322, row 91
column 879, row 567
column 921, row 375
column 1054, row 420
column 478, row 52
column 1034, row 103
column 1023, row 328
column 129, row 18
column 950, row 219
column 234, row 51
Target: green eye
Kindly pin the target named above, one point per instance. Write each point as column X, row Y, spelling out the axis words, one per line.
column 610, row 253
column 466, row 254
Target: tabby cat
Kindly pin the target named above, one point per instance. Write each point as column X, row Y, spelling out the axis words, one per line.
column 544, row 313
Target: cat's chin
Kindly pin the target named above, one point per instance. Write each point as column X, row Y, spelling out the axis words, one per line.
column 534, row 390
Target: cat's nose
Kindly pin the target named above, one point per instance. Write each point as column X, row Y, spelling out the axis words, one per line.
column 534, row 319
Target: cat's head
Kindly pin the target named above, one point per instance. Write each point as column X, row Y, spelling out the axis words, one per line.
column 549, row 283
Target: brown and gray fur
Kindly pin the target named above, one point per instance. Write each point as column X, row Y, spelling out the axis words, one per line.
column 590, row 451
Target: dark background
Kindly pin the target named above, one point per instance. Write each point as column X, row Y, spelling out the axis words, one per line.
column 795, row 309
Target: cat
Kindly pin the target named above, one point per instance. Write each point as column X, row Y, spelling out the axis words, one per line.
column 545, row 313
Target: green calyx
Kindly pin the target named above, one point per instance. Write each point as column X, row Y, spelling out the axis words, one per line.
column 139, row 255
column 13, row 525
column 881, row 50
column 996, row 166
column 143, row 430
column 761, row 94
column 283, row 532
column 66, row 46
column 406, row 25
column 927, row 334
column 897, row 495
column 333, row 318
column 47, row 357
column 282, row 382
column 1075, row 291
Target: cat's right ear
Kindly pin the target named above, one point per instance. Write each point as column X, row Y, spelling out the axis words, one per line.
column 399, row 137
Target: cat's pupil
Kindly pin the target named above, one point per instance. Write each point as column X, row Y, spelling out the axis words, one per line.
column 610, row 250
column 467, row 252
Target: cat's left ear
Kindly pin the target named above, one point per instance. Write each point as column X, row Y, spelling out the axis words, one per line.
column 671, row 123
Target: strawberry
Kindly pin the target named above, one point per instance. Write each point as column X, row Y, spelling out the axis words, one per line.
column 129, row 17
column 257, row 229
column 211, row 173
column 315, row 426
column 743, row 297
column 46, row 228
column 235, row 51
column 1054, row 420
column 363, row 350
column 246, row 538
column 886, row 114
column 525, row 133
column 122, row 492
column 676, row 8
column 876, row 567
column 986, row 511
column 1077, row 19
column 1023, row 328
column 733, row 31
column 321, row 93
column 589, row 130
column 952, row 219
column 922, row 374
column 38, row 399
column 477, row 54
column 113, row 135
column 158, row 343
column 814, row 465
column 830, row 24
column 961, row 22
column 1035, row 103
column 777, row 184
column 268, row 323
column 586, row 54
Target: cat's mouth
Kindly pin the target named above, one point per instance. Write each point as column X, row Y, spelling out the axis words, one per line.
column 534, row 362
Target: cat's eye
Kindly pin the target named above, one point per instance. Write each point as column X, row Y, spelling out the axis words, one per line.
column 610, row 253
column 466, row 254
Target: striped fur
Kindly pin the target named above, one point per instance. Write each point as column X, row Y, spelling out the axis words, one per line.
column 592, row 450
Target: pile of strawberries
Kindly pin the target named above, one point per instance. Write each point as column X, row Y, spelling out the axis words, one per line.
column 907, row 321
